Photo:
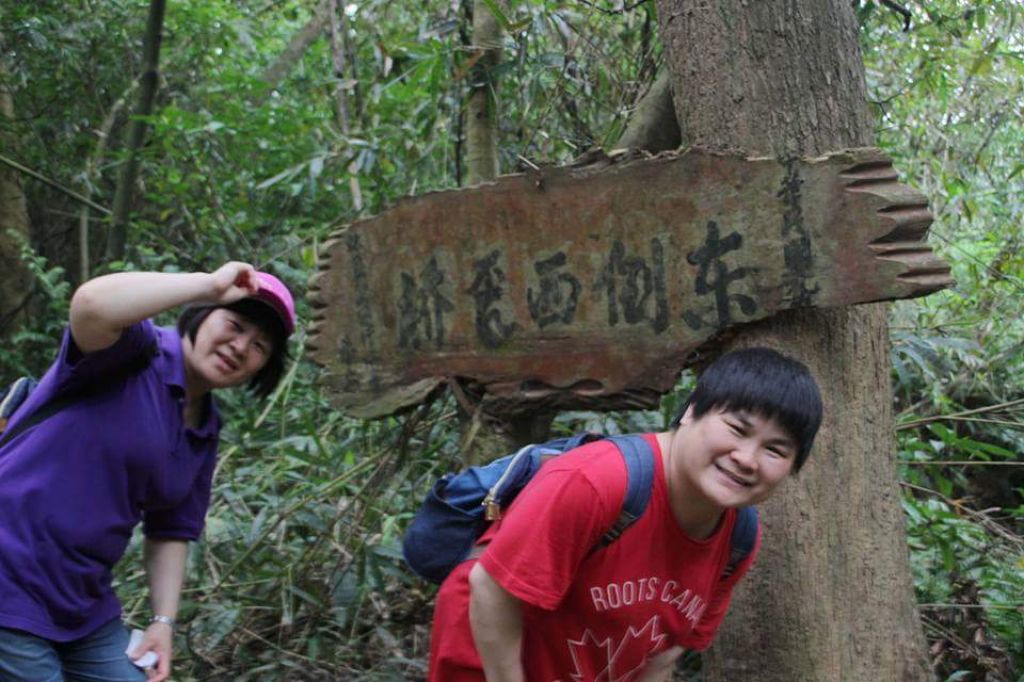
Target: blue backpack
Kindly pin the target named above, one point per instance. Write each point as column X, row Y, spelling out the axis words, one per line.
column 460, row 507
column 10, row 400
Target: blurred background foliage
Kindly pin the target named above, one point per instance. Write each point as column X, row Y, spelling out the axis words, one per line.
column 260, row 146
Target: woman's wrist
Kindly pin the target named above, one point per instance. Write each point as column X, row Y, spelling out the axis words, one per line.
column 213, row 288
column 166, row 620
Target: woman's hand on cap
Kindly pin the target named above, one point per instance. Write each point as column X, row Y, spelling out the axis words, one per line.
column 232, row 282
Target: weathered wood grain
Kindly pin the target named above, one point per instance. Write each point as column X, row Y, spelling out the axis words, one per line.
column 589, row 287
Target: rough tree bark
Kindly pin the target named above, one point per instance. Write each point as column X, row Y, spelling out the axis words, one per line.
column 831, row 597
column 147, row 95
column 482, row 114
column 15, row 279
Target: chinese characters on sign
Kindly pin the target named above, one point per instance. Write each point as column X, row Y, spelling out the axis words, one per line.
column 422, row 307
column 557, row 294
column 592, row 288
column 632, row 286
column 714, row 278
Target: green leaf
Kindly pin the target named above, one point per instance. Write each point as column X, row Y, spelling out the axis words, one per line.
column 994, row 449
column 276, row 179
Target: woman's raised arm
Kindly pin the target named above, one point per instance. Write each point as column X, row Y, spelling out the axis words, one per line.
column 103, row 307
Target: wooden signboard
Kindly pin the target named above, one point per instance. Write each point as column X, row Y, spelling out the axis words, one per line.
column 589, row 287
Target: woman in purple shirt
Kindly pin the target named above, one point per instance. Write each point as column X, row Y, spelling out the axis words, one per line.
column 135, row 440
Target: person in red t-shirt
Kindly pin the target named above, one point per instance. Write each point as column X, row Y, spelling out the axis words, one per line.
column 538, row 604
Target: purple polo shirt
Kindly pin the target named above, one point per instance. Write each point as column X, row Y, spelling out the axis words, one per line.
column 74, row 486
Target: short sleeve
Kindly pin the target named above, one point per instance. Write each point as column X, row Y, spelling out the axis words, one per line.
column 186, row 521
column 718, row 606
column 74, row 368
column 547, row 532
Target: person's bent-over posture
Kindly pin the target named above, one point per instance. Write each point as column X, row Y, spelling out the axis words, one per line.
column 540, row 603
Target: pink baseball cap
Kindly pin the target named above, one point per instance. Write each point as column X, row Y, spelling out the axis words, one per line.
column 274, row 293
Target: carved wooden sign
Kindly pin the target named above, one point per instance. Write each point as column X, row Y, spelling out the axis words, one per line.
column 589, row 287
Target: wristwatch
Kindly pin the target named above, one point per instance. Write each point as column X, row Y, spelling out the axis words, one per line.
column 166, row 620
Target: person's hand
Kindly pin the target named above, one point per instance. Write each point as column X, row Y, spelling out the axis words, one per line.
column 158, row 638
column 232, row 282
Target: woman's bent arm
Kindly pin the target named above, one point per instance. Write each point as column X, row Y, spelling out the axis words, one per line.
column 103, row 307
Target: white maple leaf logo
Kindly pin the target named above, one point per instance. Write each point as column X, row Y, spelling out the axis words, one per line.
column 588, row 655
column 596, row 662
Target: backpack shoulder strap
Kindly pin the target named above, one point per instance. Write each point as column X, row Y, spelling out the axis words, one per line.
column 639, row 481
column 55, row 405
column 744, row 537
column 45, row 411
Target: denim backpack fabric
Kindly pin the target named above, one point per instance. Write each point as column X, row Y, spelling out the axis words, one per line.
column 462, row 505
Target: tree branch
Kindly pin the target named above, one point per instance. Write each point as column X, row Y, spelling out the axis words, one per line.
column 653, row 126
column 969, row 463
column 297, row 46
column 901, row 10
column 983, row 519
column 54, row 184
column 956, row 415
column 621, row 10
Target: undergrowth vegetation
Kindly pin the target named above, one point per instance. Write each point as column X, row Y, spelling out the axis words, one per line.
column 299, row 576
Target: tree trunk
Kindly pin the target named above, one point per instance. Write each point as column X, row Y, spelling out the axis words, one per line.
column 482, row 123
column 15, row 279
column 89, row 177
column 485, row 437
column 653, row 126
column 147, row 94
column 831, row 597
column 339, row 51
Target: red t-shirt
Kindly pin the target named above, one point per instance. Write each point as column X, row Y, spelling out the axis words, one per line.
column 597, row 616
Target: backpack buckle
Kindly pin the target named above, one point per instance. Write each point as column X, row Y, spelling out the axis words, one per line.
column 492, row 510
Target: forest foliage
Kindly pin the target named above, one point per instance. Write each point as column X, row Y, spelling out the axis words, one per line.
column 256, row 157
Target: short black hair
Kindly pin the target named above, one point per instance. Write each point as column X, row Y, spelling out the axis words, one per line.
column 261, row 315
column 764, row 382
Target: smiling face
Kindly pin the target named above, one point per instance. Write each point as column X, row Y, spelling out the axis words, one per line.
column 229, row 350
column 730, row 458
